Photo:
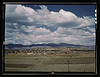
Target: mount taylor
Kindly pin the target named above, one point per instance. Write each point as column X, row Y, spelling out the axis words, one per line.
column 20, row 46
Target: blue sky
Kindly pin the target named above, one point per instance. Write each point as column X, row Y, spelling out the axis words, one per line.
column 28, row 24
column 79, row 10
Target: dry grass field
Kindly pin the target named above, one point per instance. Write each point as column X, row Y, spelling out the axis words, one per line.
column 50, row 59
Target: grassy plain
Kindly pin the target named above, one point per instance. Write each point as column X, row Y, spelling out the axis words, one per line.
column 69, row 60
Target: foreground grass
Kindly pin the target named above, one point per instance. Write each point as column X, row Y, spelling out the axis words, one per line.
column 78, row 62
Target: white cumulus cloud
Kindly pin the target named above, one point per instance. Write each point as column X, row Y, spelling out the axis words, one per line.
column 25, row 25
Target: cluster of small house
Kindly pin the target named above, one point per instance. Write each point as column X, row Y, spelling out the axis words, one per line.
column 49, row 51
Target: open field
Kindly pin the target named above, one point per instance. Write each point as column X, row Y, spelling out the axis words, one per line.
column 50, row 59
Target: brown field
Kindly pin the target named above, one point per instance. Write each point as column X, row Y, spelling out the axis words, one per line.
column 50, row 59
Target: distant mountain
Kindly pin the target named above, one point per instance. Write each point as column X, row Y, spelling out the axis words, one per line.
column 20, row 46
column 14, row 45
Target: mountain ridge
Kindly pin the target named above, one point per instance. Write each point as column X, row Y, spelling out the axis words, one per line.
column 19, row 46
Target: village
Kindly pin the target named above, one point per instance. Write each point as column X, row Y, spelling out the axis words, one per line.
column 49, row 50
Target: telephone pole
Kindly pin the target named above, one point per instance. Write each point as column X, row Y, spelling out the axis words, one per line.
column 68, row 65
